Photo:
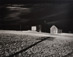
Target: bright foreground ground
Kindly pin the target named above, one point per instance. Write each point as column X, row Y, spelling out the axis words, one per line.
column 53, row 46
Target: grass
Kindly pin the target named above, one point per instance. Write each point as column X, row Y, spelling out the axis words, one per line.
column 52, row 47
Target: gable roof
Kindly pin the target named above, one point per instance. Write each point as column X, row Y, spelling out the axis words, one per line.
column 53, row 27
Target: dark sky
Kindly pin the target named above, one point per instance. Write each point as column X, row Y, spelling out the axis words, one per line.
column 46, row 13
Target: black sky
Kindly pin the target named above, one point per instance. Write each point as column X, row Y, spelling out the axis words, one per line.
column 44, row 12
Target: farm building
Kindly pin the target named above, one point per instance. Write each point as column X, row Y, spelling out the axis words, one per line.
column 53, row 30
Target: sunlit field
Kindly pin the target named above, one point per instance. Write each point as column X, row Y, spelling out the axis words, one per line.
column 46, row 46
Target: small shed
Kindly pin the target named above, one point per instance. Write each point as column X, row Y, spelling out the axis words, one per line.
column 33, row 28
column 53, row 30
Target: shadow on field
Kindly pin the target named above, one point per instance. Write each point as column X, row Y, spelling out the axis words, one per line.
column 50, row 38
column 40, row 40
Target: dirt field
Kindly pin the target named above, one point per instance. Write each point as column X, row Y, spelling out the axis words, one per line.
column 29, row 44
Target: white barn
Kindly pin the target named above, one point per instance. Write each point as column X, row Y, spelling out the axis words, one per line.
column 53, row 30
